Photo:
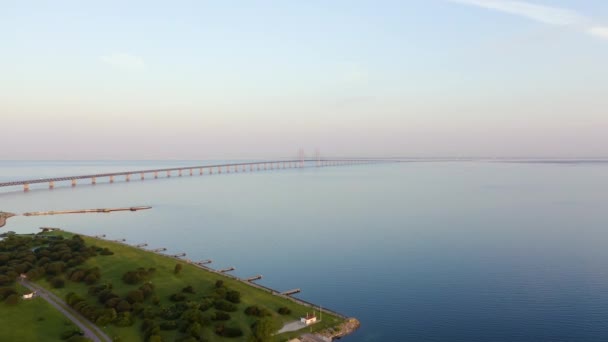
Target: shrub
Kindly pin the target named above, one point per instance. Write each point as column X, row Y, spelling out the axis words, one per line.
column 168, row 325
column 6, row 291
column 123, row 306
column 106, row 251
column 284, row 311
column 264, row 329
column 137, row 276
column 12, row 299
column 178, row 268
column 255, row 310
column 135, row 296
column 220, row 316
column 57, row 282
column 124, row 319
column 233, row 296
column 224, row 331
column 4, row 280
column 225, row 306
column 219, row 283
column 188, row 289
column 177, row 297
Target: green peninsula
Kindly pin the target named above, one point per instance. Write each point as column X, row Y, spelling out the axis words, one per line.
column 131, row 294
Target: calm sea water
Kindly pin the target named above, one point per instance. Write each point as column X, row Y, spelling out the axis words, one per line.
column 427, row 251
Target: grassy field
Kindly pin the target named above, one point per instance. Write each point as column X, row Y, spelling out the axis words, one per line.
column 32, row 320
column 127, row 258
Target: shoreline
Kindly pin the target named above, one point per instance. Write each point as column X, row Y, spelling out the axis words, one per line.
column 3, row 217
column 348, row 325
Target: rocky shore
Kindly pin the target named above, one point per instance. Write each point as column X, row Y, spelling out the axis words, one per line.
column 348, row 327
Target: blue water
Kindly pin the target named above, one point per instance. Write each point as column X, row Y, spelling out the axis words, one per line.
column 424, row 251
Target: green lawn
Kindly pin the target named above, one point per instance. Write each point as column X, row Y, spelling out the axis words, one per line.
column 166, row 283
column 32, row 320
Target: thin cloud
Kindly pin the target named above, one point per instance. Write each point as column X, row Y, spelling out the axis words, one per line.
column 599, row 31
column 544, row 14
column 124, row 61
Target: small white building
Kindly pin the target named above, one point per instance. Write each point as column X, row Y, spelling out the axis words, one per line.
column 309, row 319
column 29, row 295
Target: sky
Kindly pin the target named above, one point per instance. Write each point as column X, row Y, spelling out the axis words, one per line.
column 261, row 79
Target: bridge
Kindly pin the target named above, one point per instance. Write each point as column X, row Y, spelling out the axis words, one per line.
column 201, row 170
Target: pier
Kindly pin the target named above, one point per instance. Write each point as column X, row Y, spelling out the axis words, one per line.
column 228, row 269
column 254, row 278
column 158, row 250
column 140, row 245
column 178, row 255
column 291, row 292
column 203, row 262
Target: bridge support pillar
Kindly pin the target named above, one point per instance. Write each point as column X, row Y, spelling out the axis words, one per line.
column 190, row 172
column 93, row 180
column 179, row 172
column 155, row 174
column 210, row 170
column 200, row 171
column 51, row 185
column 128, row 177
column 73, row 182
column 168, row 174
column 142, row 176
column 26, row 187
column 111, row 179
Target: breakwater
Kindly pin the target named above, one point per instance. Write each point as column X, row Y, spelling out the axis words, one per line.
column 84, row 211
column 3, row 217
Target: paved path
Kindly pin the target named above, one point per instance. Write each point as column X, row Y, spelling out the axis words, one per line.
column 90, row 331
column 292, row 326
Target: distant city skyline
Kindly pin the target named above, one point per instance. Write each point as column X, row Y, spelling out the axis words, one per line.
column 251, row 79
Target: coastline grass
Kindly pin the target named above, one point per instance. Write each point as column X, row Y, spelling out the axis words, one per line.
column 32, row 320
column 166, row 282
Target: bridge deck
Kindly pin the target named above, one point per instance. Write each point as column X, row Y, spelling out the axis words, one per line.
column 128, row 173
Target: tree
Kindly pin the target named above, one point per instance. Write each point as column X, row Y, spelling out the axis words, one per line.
column 264, row 329
column 177, row 269
column 233, row 296
column 135, row 296
column 12, row 299
column 123, row 306
column 284, row 311
column 57, row 282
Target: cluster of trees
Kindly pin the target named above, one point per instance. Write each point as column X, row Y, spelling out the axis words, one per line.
column 284, row 311
column 58, row 260
column 190, row 316
column 41, row 256
column 138, row 276
column 89, row 276
column 255, row 310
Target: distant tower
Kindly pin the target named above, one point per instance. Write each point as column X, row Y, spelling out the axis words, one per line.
column 301, row 157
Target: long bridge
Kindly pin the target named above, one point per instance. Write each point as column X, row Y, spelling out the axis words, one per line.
column 202, row 170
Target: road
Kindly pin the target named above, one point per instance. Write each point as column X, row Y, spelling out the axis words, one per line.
column 90, row 330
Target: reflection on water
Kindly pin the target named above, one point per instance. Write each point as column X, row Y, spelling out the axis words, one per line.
column 467, row 251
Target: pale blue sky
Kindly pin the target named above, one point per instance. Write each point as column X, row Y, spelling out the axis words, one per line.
column 213, row 79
